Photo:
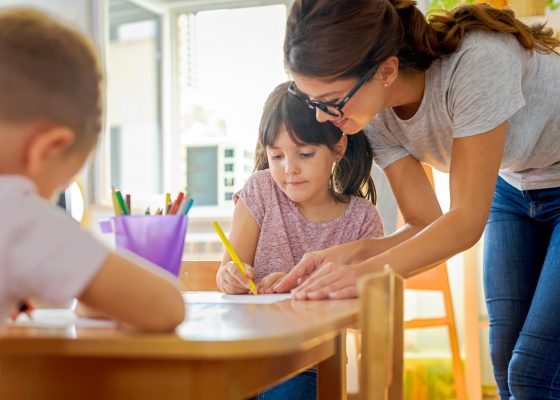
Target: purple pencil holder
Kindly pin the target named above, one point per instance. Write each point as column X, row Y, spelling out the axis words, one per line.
column 158, row 239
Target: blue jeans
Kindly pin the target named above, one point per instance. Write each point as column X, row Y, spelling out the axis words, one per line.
column 300, row 387
column 522, row 286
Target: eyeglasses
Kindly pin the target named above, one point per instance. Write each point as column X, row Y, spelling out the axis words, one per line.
column 332, row 108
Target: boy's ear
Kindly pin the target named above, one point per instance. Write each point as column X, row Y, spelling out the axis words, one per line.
column 340, row 147
column 47, row 144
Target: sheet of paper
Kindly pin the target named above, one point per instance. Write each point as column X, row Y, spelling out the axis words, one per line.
column 59, row 318
column 221, row 298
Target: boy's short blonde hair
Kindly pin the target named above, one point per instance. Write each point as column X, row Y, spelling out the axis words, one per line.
column 48, row 73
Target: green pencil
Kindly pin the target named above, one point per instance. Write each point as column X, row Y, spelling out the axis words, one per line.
column 122, row 203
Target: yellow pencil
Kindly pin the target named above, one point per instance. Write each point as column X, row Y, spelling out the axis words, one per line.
column 233, row 255
column 116, row 207
column 167, row 202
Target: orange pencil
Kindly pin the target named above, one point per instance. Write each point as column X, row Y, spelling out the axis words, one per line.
column 177, row 203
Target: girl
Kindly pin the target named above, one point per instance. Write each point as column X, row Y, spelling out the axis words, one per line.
column 474, row 93
column 312, row 190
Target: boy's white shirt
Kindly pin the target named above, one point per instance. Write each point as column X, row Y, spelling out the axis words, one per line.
column 43, row 252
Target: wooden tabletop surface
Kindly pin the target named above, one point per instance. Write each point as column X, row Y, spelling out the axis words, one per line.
column 209, row 331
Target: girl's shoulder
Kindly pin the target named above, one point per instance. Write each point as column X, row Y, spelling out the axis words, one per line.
column 260, row 181
column 260, row 191
column 364, row 218
column 361, row 206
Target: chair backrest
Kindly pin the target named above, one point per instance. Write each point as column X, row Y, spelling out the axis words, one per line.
column 432, row 279
column 197, row 276
column 381, row 320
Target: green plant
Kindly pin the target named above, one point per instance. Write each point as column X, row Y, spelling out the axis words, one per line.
column 447, row 4
column 552, row 4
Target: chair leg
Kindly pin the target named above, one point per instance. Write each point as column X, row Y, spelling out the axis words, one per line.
column 454, row 344
column 396, row 388
column 358, row 343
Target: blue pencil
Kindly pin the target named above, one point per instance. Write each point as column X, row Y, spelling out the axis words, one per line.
column 189, row 205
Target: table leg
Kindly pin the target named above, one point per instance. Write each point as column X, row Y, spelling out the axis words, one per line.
column 331, row 379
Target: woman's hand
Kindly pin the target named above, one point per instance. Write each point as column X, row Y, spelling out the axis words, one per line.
column 266, row 284
column 329, row 281
column 341, row 254
column 231, row 280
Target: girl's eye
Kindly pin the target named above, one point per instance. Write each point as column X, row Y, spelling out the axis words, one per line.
column 306, row 155
column 275, row 156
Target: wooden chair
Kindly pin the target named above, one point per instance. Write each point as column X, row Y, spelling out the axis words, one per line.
column 436, row 279
column 198, row 276
column 381, row 320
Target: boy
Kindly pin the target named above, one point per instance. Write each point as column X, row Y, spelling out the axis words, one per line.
column 50, row 118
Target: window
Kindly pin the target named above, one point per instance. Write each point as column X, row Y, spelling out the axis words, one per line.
column 183, row 113
column 202, row 175
column 134, row 99
column 116, row 149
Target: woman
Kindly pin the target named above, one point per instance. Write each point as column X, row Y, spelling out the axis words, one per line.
column 475, row 93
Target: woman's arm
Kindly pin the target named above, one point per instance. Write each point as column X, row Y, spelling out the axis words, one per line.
column 416, row 200
column 472, row 177
column 473, row 173
column 418, row 204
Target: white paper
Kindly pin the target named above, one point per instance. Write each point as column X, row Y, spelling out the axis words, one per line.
column 59, row 318
column 222, row 298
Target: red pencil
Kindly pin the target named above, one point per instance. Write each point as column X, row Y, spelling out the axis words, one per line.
column 176, row 203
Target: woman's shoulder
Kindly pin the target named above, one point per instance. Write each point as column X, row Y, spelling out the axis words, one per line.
column 484, row 44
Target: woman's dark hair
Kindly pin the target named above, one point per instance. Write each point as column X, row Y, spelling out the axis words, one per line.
column 318, row 33
column 282, row 110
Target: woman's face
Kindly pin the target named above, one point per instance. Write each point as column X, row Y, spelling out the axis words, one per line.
column 358, row 111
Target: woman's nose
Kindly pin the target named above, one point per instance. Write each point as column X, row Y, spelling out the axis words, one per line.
column 322, row 116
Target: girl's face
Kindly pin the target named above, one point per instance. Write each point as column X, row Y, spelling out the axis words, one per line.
column 303, row 172
column 358, row 111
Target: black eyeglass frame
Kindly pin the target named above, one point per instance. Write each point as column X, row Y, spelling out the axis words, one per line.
column 324, row 105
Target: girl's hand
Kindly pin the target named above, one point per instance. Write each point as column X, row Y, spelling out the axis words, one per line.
column 329, row 281
column 266, row 284
column 23, row 307
column 231, row 280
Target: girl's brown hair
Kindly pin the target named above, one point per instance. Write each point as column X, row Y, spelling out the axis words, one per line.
column 351, row 175
column 344, row 38
column 49, row 73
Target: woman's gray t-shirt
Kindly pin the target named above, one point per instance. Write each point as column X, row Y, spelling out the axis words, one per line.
column 489, row 80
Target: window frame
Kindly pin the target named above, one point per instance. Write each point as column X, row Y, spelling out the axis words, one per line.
column 171, row 178
column 171, row 137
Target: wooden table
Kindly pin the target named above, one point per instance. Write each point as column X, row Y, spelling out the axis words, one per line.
column 221, row 351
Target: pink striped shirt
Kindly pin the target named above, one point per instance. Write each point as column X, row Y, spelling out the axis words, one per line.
column 285, row 233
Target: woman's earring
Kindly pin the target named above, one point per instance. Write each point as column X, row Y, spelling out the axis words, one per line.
column 386, row 84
